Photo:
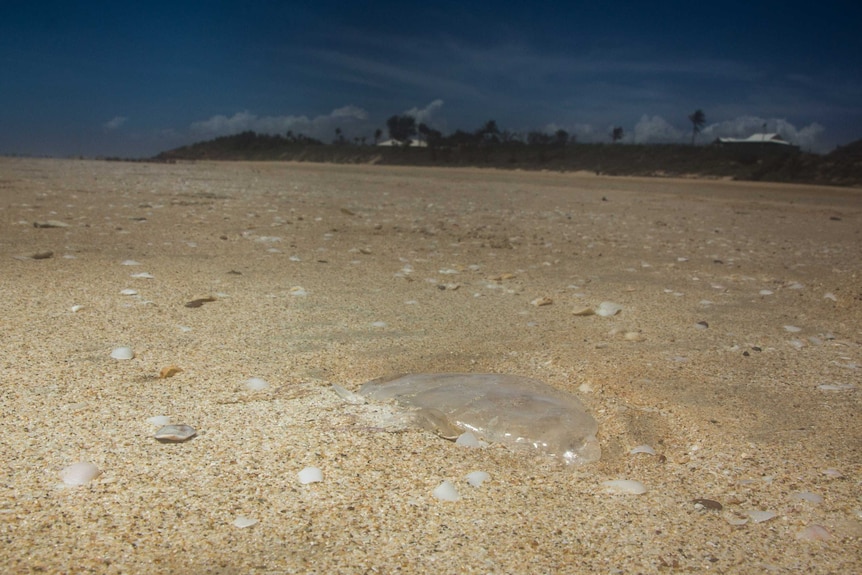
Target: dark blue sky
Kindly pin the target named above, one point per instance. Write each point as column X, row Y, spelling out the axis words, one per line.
column 136, row 78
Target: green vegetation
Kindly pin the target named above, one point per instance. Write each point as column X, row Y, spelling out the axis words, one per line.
column 490, row 147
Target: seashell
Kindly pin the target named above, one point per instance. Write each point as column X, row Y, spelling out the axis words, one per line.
column 129, row 263
column 792, row 328
column 122, row 353
column 129, row 292
column 584, row 311
column 814, row 532
column 160, row 420
column 169, row 371
column 807, row 496
column 76, row 308
column 243, row 522
column 256, row 384
column 175, row 433
column 446, row 492
column 760, row 516
column 477, row 478
column 467, row 439
column 608, row 309
column 642, row 449
column 143, row 275
column 79, row 473
column 298, row 291
column 540, row 301
column 310, row 475
column 628, row 486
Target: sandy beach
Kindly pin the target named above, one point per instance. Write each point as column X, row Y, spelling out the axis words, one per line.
column 736, row 356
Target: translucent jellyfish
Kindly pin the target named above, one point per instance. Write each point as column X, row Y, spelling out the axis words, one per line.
column 517, row 411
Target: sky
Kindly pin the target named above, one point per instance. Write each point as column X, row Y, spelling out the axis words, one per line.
column 131, row 79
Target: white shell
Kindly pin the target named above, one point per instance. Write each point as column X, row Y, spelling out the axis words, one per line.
column 130, row 263
column 175, row 433
column 446, row 492
column 143, row 275
column 76, row 308
column 608, row 309
column 79, row 473
column 160, row 420
column 467, row 439
column 256, row 383
column 243, row 522
column 310, row 475
column 298, row 291
column 123, row 353
column 629, row 486
column 760, row 516
column 642, row 449
column 129, row 292
column 477, row 478
column 814, row 532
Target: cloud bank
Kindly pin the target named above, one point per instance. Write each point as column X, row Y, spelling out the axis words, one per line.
column 321, row 127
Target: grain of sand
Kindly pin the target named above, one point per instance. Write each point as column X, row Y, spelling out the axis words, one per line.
column 398, row 266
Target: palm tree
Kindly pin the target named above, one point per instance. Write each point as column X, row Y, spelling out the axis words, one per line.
column 698, row 121
column 616, row 134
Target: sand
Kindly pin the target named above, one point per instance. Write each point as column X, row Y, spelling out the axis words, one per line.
column 424, row 270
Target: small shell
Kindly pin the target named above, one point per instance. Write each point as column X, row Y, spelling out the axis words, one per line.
column 79, row 473
column 169, row 371
column 129, row 291
column 584, row 311
column 310, row 475
column 175, row 433
column 477, row 478
column 446, row 492
column 243, row 522
column 642, row 449
column 628, row 486
column 541, row 301
column 467, row 439
column 760, row 516
column 122, row 353
column 256, row 384
column 608, row 309
column 814, row 533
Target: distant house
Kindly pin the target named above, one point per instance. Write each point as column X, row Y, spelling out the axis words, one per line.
column 395, row 143
column 758, row 143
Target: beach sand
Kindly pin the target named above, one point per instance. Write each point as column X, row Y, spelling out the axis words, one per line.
column 739, row 301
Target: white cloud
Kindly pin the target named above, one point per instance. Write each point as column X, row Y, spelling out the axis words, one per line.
column 321, row 127
column 424, row 115
column 807, row 137
column 114, row 123
column 655, row 130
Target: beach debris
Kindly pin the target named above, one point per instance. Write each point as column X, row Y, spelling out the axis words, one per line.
column 175, row 433
column 160, row 420
column 807, row 496
column 200, row 301
column 169, row 371
column 608, row 309
column 79, row 473
column 760, row 516
column 310, row 475
column 642, row 449
column 446, row 491
column 708, row 504
column 243, row 522
column 516, row 411
column 50, row 224
column 256, row 384
column 625, row 486
column 836, row 387
column 584, row 311
column 123, row 352
column 477, row 478
column 814, row 532
column 467, row 439
column 43, row 255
